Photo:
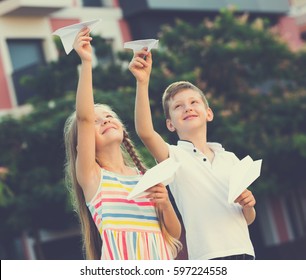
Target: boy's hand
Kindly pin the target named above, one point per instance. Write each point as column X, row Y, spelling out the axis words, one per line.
column 159, row 195
column 246, row 199
column 82, row 45
column 141, row 65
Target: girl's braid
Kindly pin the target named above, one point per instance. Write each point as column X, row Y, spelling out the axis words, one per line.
column 129, row 146
column 175, row 244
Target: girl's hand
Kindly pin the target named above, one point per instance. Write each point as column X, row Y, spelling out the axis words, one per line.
column 141, row 65
column 159, row 195
column 246, row 199
column 82, row 45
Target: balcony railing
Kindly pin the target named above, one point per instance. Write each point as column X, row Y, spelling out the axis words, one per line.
column 32, row 7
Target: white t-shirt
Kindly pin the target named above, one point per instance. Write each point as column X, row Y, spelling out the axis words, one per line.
column 214, row 228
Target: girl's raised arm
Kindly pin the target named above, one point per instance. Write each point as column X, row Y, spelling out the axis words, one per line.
column 86, row 167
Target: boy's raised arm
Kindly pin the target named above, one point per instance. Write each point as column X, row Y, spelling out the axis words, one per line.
column 141, row 69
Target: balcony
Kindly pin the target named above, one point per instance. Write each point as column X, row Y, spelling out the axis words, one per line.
column 132, row 7
column 31, row 7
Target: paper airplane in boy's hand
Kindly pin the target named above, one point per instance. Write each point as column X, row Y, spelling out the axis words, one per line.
column 68, row 33
column 244, row 173
column 160, row 173
column 140, row 44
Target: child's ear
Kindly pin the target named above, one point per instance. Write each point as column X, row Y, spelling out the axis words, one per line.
column 210, row 115
column 169, row 125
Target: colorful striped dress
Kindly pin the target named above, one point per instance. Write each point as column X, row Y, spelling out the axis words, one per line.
column 129, row 229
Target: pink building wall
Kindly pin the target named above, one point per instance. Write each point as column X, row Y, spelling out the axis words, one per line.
column 5, row 99
column 57, row 23
column 125, row 31
column 116, row 3
column 290, row 32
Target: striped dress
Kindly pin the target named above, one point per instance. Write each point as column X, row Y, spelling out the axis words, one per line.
column 129, row 229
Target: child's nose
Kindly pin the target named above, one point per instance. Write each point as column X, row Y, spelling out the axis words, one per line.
column 188, row 108
column 105, row 121
column 102, row 121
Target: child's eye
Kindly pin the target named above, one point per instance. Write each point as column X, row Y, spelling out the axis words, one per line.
column 177, row 106
column 194, row 101
column 109, row 116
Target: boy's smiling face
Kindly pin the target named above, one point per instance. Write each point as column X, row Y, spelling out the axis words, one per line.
column 187, row 112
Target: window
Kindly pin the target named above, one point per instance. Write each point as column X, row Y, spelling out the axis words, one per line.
column 98, row 3
column 26, row 56
column 25, row 53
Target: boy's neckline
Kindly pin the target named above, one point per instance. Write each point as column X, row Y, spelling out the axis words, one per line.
column 214, row 146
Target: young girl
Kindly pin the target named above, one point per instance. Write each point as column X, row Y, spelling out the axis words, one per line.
column 102, row 177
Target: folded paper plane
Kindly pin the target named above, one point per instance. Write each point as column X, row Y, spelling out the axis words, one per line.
column 140, row 44
column 160, row 173
column 244, row 173
column 68, row 33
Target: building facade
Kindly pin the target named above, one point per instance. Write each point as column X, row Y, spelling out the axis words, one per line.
column 26, row 40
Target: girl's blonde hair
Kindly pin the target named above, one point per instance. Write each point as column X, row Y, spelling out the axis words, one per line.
column 175, row 88
column 92, row 242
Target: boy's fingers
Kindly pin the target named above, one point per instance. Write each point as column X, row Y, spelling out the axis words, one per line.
column 141, row 53
column 149, row 57
column 136, row 64
column 141, row 60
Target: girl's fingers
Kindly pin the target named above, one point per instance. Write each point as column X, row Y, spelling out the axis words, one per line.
column 83, row 41
column 158, row 188
column 83, row 35
column 155, row 195
column 84, row 31
column 156, row 198
column 158, row 194
column 85, row 38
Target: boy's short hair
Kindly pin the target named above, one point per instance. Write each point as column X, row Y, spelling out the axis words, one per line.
column 175, row 88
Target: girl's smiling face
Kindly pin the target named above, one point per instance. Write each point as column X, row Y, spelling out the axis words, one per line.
column 108, row 127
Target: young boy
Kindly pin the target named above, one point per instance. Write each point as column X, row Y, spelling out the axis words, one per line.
column 215, row 229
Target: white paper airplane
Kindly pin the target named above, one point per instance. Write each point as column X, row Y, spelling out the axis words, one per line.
column 68, row 33
column 160, row 173
column 244, row 173
column 140, row 44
